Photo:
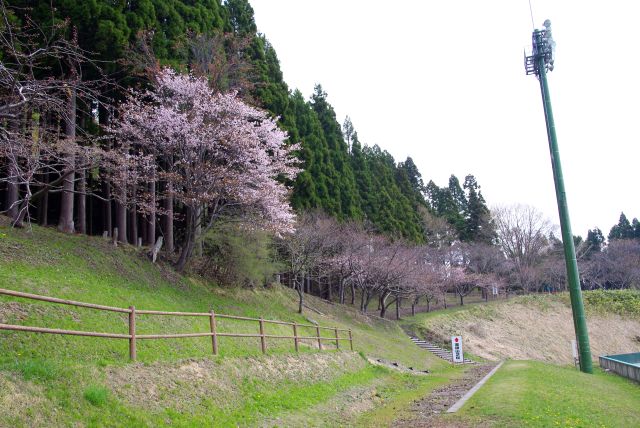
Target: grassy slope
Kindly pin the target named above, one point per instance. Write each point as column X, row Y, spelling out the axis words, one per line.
column 537, row 327
column 63, row 379
column 530, row 393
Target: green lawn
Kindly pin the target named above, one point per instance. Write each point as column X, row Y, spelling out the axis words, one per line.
column 530, row 393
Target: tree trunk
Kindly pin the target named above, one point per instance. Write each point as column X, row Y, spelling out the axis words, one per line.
column 133, row 217
column 168, row 220
column 398, row 308
column 461, row 300
column 353, row 293
column 143, row 221
column 121, row 217
column 300, row 294
column 82, row 201
column 329, row 288
column 198, row 245
column 107, row 221
column 151, row 220
column 185, row 252
column 341, row 291
column 12, row 194
column 43, row 207
column 366, row 302
column 187, row 248
column 65, row 223
column 384, row 305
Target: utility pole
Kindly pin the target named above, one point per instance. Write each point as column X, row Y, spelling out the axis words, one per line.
column 539, row 62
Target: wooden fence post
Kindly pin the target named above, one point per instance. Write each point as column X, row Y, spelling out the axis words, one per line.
column 295, row 335
column 132, row 333
column 263, row 340
column 214, row 334
column 337, row 338
column 350, row 339
column 318, row 335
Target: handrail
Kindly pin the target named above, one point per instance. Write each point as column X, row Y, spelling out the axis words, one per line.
column 214, row 334
column 62, row 301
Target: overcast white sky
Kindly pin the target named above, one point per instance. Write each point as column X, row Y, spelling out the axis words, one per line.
column 444, row 83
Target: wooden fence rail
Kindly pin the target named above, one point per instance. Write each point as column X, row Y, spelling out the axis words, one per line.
column 133, row 337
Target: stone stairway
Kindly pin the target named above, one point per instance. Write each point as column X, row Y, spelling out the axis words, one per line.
column 445, row 355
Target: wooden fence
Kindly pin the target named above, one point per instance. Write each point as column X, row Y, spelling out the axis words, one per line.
column 214, row 333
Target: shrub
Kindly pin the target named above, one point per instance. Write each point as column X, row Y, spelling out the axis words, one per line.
column 622, row 302
column 237, row 255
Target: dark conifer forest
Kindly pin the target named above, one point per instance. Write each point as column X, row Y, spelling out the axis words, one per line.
column 114, row 47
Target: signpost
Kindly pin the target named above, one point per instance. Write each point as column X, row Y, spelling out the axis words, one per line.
column 456, row 349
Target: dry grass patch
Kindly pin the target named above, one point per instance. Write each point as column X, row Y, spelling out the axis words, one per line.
column 189, row 383
column 529, row 329
column 23, row 403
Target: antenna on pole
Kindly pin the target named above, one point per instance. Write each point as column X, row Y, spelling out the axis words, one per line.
column 533, row 26
column 540, row 61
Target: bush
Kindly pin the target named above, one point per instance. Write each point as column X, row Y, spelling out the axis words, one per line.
column 622, row 302
column 237, row 255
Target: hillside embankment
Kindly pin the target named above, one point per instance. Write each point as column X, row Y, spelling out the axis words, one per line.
column 532, row 328
column 54, row 380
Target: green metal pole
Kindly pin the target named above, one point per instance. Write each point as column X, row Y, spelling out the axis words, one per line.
column 573, row 276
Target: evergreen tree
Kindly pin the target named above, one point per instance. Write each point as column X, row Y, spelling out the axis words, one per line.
column 622, row 230
column 241, row 18
column 343, row 185
column 348, row 131
column 478, row 225
column 636, row 228
column 595, row 241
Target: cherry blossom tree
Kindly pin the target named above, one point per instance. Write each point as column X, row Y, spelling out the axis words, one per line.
column 307, row 247
column 228, row 158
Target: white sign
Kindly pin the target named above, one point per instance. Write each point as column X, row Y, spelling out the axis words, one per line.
column 576, row 358
column 456, row 349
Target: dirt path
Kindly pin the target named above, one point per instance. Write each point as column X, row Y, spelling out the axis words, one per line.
column 426, row 411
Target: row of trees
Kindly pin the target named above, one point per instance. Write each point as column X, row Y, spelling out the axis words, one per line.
column 536, row 255
column 354, row 262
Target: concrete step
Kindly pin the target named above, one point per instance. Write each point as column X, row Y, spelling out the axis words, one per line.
column 436, row 350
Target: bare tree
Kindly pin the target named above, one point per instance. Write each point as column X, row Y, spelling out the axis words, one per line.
column 522, row 234
column 305, row 248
